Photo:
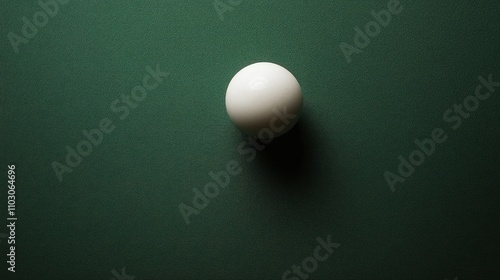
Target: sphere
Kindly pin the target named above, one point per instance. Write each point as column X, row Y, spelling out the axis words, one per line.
column 264, row 100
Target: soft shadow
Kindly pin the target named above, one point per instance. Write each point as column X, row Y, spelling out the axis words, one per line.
column 287, row 161
column 294, row 176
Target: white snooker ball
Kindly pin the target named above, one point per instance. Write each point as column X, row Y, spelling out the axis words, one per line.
column 264, row 100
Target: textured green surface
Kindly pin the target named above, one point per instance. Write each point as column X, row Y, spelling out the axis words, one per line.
column 119, row 207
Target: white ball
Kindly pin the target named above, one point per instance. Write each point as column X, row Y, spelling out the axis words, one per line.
column 264, row 100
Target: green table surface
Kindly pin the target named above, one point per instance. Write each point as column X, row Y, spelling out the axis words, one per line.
column 116, row 213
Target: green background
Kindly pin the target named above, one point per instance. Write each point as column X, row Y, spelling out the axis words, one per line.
column 119, row 207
